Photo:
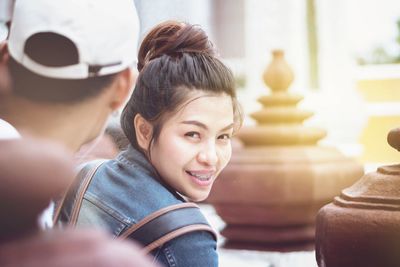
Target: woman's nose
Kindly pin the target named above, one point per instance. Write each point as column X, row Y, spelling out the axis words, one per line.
column 208, row 154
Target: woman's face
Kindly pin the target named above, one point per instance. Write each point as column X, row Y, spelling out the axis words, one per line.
column 195, row 144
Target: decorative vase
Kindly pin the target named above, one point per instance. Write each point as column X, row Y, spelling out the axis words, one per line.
column 362, row 225
column 274, row 185
column 278, row 75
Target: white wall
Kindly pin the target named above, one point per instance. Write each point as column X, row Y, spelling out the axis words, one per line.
column 152, row 12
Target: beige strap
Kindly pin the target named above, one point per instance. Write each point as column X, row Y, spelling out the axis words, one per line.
column 94, row 165
column 154, row 215
column 184, row 230
column 177, row 226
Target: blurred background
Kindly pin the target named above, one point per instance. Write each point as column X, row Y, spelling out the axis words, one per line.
column 344, row 55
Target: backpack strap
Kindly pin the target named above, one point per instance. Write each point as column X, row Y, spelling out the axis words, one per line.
column 166, row 224
column 75, row 193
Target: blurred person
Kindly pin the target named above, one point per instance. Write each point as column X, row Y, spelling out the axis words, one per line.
column 69, row 67
column 69, row 64
column 64, row 69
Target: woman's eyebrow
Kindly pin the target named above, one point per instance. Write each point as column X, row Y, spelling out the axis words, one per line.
column 202, row 125
column 197, row 123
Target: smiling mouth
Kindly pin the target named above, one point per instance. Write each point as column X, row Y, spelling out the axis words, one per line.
column 201, row 177
column 204, row 177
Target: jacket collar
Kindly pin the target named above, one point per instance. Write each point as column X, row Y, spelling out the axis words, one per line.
column 133, row 157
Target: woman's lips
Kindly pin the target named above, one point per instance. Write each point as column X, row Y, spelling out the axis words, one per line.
column 202, row 178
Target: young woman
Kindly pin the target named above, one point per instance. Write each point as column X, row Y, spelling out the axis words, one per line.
column 179, row 121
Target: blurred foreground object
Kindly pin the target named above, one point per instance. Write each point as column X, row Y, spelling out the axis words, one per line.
column 362, row 225
column 32, row 172
column 83, row 248
column 272, row 189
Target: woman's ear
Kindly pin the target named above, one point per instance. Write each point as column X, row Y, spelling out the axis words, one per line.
column 144, row 132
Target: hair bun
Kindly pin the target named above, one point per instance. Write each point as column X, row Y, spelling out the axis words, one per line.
column 173, row 38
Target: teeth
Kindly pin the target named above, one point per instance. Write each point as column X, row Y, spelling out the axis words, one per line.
column 201, row 177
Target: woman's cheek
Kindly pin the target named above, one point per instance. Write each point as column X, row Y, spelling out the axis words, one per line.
column 175, row 144
column 226, row 154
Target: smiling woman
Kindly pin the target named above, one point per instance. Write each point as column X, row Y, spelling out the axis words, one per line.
column 179, row 121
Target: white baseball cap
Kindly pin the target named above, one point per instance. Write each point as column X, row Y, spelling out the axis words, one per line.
column 104, row 32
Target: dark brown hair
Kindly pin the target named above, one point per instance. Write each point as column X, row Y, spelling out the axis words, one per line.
column 174, row 59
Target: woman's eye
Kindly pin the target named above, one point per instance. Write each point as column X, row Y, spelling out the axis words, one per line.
column 224, row 136
column 193, row 134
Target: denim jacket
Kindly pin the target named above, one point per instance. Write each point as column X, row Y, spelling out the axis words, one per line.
column 124, row 191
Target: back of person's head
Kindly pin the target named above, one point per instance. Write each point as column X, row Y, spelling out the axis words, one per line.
column 174, row 60
column 69, row 51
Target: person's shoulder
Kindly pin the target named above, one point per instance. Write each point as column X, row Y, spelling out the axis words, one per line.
column 132, row 192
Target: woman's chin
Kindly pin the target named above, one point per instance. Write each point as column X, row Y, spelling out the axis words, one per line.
column 197, row 198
